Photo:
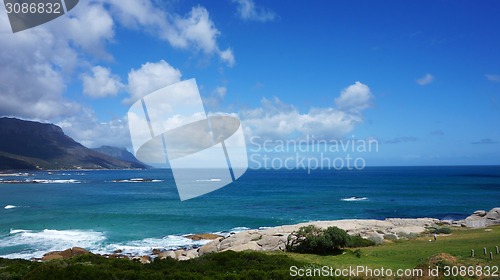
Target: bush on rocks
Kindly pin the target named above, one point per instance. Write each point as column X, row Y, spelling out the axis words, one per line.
column 311, row 239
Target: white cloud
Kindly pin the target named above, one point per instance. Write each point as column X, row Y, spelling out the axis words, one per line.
column 87, row 130
column 220, row 92
column 354, row 98
column 151, row 77
column 90, row 26
column 277, row 120
column 212, row 102
column 247, row 10
column 37, row 62
column 37, row 65
column 425, row 80
column 43, row 59
column 101, row 83
column 193, row 30
column 493, row 78
column 198, row 30
column 227, row 56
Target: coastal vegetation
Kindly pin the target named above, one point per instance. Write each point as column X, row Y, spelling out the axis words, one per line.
column 314, row 240
column 420, row 252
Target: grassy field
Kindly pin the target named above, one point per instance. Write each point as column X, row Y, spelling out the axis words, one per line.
column 402, row 254
column 411, row 253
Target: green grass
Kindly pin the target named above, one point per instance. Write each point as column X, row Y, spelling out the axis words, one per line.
column 411, row 253
column 272, row 265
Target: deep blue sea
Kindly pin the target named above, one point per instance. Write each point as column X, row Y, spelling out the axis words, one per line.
column 90, row 209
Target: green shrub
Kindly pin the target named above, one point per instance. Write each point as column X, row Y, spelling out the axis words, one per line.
column 443, row 230
column 224, row 265
column 311, row 239
column 357, row 253
column 358, row 241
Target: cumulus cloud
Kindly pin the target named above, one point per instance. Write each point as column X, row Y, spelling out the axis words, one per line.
column 425, row 80
column 228, row 57
column 248, row 10
column 354, row 98
column 194, row 30
column 41, row 61
column 150, row 77
column 493, row 78
column 101, row 83
column 89, row 27
column 275, row 119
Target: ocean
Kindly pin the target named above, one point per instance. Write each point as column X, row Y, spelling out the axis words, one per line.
column 104, row 211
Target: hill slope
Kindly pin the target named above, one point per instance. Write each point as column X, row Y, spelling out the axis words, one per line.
column 119, row 153
column 34, row 145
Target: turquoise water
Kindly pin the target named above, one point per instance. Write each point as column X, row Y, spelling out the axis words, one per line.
column 89, row 209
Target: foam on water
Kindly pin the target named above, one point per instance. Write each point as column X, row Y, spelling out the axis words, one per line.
column 70, row 181
column 36, row 243
column 137, row 180
column 145, row 246
column 354, row 198
column 209, row 180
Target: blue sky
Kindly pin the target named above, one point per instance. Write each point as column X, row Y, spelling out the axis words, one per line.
column 428, row 71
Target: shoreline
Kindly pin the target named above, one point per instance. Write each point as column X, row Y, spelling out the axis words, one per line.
column 274, row 238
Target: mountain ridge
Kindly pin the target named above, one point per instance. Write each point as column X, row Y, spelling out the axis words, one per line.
column 33, row 145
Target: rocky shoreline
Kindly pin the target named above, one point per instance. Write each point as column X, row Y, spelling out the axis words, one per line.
column 274, row 238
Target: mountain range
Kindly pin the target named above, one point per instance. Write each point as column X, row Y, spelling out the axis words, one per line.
column 30, row 145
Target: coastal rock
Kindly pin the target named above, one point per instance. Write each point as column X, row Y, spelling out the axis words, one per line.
column 116, row 256
column 156, row 251
column 474, row 221
column 203, row 236
column 191, row 254
column 390, row 236
column 252, row 246
column 480, row 213
column 211, row 247
column 376, row 237
column 272, row 239
column 272, row 243
column 183, row 255
column 167, row 254
column 481, row 219
column 142, row 259
column 239, row 238
column 52, row 256
column 493, row 216
column 76, row 251
column 68, row 253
